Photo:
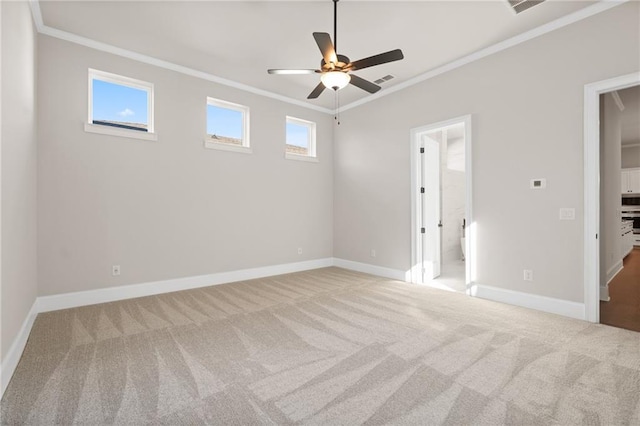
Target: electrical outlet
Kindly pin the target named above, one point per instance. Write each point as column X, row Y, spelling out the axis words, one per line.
column 299, row 250
column 115, row 270
column 528, row 275
column 540, row 183
column 373, row 252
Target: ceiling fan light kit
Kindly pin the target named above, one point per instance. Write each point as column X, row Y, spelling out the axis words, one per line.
column 335, row 70
column 335, row 80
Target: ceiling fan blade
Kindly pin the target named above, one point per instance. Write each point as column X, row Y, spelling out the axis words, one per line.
column 276, row 71
column 316, row 92
column 383, row 58
column 326, row 47
column 364, row 84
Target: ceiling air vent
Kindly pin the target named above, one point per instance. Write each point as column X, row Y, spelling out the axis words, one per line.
column 384, row 79
column 522, row 5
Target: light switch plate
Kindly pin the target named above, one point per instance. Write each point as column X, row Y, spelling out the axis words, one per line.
column 567, row 213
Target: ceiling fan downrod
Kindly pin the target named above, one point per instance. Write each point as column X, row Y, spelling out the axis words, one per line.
column 335, row 25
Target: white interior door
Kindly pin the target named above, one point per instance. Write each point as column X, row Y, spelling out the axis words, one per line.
column 431, row 210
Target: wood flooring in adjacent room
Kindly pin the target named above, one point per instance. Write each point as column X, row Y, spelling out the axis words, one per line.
column 623, row 310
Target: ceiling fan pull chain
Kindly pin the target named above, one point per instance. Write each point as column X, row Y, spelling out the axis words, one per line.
column 337, row 108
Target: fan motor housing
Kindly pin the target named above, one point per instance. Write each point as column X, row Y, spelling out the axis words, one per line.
column 343, row 61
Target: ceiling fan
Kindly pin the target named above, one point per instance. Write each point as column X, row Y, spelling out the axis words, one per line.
column 335, row 70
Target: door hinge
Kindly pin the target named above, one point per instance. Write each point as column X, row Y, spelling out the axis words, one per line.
column 596, row 236
column 440, row 224
column 421, row 150
column 422, row 190
column 422, row 230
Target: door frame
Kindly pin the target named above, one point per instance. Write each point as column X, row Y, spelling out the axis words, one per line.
column 591, row 258
column 470, row 255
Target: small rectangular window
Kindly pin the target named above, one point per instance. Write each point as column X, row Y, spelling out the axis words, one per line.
column 227, row 126
column 120, row 106
column 301, row 139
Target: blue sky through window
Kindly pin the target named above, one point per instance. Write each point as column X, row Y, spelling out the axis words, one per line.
column 114, row 102
column 224, row 122
column 297, row 135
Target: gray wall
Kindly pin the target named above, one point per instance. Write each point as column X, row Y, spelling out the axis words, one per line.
column 631, row 156
column 610, row 184
column 170, row 208
column 18, row 170
column 527, row 110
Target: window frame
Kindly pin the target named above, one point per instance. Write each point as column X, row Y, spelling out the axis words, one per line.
column 312, row 152
column 245, row 147
column 121, row 80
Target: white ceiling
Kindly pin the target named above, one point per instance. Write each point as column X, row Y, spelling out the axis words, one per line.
column 240, row 40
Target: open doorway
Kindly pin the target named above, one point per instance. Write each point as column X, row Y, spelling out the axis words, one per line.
column 620, row 208
column 595, row 256
column 441, row 204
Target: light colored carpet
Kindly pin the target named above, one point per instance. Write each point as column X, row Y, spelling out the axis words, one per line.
column 322, row 347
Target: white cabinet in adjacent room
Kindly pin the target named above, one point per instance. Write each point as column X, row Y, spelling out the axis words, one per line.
column 630, row 181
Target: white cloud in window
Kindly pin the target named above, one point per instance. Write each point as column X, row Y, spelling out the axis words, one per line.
column 126, row 113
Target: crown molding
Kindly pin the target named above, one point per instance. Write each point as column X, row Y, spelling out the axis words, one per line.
column 108, row 48
column 617, row 100
column 574, row 17
column 36, row 13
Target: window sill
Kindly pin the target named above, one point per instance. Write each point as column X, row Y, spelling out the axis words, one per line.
column 124, row 133
column 227, row 147
column 298, row 157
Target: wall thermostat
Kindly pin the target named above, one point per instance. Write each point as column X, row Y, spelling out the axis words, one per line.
column 538, row 183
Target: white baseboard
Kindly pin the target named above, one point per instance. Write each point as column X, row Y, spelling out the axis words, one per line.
column 91, row 297
column 381, row 271
column 532, row 301
column 103, row 295
column 611, row 274
column 10, row 361
column 614, row 270
column 111, row 294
